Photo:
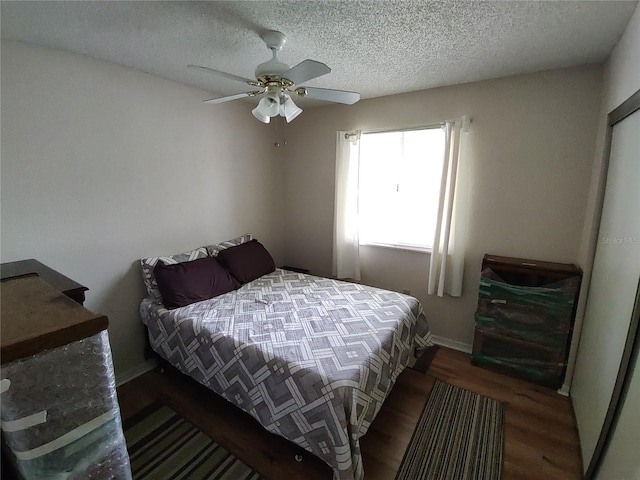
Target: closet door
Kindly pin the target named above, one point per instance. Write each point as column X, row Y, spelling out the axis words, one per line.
column 610, row 326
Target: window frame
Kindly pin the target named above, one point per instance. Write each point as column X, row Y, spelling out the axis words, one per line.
column 391, row 246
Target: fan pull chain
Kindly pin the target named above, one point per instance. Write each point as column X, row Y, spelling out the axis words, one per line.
column 277, row 142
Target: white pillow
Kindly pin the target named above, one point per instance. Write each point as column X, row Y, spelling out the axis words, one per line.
column 213, row 250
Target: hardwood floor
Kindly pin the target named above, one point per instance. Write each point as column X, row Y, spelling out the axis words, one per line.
column 541, row 440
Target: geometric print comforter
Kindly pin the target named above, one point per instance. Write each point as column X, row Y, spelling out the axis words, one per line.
column 311, row 358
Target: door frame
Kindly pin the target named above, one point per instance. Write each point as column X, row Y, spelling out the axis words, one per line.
column 632, row 342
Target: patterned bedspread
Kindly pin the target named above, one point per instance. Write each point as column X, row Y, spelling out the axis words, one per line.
column 312, row 359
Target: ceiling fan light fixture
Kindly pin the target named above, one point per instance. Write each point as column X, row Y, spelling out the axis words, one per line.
column 289, row 110
column 260, row 116
column 268, row 106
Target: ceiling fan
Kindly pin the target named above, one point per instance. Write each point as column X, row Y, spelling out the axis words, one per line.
column 277, row 82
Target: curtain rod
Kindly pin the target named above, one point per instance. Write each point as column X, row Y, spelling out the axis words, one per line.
column 424, row 127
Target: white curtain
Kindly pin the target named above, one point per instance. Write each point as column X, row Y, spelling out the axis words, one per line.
column 346, row 245
column 449, row 245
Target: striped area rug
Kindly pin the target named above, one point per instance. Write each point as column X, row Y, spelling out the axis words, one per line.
column 164, row 446
column 460, row 435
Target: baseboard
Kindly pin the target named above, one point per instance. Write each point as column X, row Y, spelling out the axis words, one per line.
column 136, row 371
column 453, row 344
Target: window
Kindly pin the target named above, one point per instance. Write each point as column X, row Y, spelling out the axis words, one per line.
column 400, row 173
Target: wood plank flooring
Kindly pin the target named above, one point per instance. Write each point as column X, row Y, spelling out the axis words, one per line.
column 541, row 440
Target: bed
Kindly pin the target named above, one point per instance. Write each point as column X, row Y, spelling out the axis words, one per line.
column 311, row 358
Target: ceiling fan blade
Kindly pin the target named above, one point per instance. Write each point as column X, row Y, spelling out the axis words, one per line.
column 306, row 70
column 338, row 96
column 222, row 74
column 231, row 97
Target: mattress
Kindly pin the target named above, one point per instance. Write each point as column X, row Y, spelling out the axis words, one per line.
column 311, row 358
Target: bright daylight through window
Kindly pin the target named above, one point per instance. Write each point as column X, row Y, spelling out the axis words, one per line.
column 399, row 185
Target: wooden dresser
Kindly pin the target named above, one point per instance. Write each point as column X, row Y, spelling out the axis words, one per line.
column 70, row 288
column 524, row 319
column 60, row 416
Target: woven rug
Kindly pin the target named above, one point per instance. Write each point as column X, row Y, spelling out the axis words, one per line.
column 460, row 435
column 164, row 446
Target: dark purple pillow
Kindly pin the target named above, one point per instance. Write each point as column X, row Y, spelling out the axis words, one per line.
column 247, row 261
column 184, row 283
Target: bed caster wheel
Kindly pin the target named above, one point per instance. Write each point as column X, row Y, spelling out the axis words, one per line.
column 298, row 458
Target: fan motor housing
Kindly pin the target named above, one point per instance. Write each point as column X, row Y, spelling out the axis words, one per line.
column 272, row 68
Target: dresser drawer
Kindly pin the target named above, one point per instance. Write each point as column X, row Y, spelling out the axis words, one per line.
column 542, row 333
column 545, row 374
column 541, row 315
column 555, row 300
column 543, row 364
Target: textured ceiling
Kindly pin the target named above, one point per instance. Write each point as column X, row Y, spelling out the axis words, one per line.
column 374, row 47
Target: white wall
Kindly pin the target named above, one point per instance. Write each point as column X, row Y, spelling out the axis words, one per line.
column 102, row 165
column 532, row 138
column 621, row 80
column 622, row 70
